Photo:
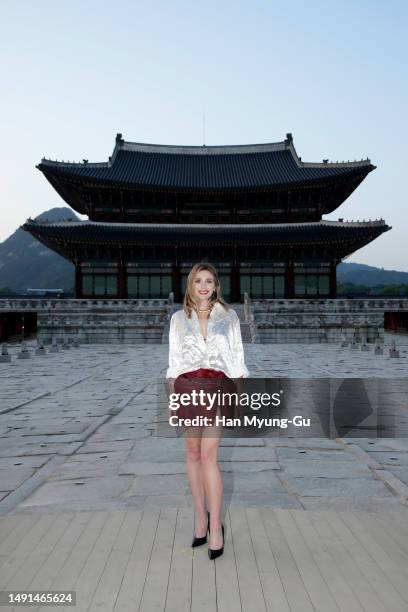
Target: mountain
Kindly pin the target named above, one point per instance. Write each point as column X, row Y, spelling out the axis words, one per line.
column 360, row 274
column 26, row 262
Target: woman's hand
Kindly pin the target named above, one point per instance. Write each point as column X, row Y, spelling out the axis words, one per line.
column 170, row 385
column 170, row 390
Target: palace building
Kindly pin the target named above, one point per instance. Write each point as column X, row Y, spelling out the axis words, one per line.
column 254, row 211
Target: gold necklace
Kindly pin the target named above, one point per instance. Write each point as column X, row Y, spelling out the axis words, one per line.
column 204, row 310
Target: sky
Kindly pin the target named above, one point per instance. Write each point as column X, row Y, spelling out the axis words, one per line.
column 333, row 73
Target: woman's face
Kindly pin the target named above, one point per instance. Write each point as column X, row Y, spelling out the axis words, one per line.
column 203, row 285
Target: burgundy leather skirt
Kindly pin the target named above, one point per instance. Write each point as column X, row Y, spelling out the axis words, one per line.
column 211, row 383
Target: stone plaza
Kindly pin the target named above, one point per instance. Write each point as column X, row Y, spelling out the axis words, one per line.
column 78, row 433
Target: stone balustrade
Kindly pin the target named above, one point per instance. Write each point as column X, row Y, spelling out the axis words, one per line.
column 317, row 321
column 335, row 305
column 269, row 321
column 29, row 304
column 96, row 321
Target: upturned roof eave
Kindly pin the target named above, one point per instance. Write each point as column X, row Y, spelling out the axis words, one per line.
column 69, row 173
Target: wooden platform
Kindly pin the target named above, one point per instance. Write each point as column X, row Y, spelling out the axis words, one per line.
column 274, row 559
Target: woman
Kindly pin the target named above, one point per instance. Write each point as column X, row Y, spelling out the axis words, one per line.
column 205, row 343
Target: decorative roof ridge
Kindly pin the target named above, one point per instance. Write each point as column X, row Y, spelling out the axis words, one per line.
column 84, row 162
column 325, row 163
column 122, row 145
column 342, row 164
column 364, row 223
column 203, row 149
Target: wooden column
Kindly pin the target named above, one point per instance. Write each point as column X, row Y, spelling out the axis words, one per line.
column 78, row 280
column 176, row 282
column 332, row 281
column 176, row 277
column 289, row 280
column 233, row 209
column 122, row 288
column 122, row 207
column 235, row 281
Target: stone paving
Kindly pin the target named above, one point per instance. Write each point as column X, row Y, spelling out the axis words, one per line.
column 77, row 432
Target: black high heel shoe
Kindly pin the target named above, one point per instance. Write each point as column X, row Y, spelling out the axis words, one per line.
column 213, row 553
column 203, row 540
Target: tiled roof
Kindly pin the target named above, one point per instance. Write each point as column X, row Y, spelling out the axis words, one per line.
column 152, row 233
column 204, row 168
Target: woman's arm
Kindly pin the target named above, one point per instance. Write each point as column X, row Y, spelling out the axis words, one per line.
column 175, row 354
column 238, row 349
column 174, row 361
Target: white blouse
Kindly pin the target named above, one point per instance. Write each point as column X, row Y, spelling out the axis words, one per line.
column 223, row 349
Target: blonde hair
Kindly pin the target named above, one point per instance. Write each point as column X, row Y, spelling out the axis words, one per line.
column 189, row 302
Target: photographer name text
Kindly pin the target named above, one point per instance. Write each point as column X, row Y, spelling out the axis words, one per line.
column 246, row 421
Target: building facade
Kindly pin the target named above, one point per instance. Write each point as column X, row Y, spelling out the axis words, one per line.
column 254, row 211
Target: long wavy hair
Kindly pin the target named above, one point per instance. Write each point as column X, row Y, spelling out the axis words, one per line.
column 190, row 303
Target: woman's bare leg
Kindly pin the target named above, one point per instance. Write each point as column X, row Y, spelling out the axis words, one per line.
column 196, row 482
column 212, row 481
